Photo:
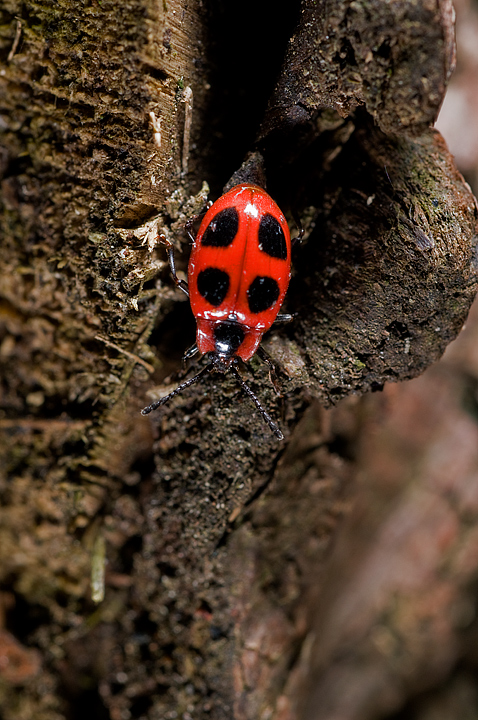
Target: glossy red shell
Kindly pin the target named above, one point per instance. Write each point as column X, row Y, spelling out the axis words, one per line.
column 244, row 261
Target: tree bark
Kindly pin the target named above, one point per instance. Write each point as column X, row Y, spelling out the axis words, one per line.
column 216, row 537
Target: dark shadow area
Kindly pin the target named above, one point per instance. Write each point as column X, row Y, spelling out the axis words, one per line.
column 247, row 45
column 172, row 337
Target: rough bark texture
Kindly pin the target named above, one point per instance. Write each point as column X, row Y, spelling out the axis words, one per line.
column 393, row 58
column 398, row 596
column 217, row 538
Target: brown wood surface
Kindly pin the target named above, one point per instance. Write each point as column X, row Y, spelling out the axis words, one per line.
column 325, row 577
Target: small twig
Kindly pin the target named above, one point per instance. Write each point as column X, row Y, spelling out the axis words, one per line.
column 156, row 125
column 136, row 358
column 98, row 561
column 188, row 116
column 16, row 40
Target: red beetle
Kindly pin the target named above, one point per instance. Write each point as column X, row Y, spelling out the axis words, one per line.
column 239, row 272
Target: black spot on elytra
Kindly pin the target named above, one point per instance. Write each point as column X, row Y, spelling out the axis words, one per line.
column 262, row 294
column 228, row 337
column 213, row 285
column 222, row 229
column 272, row 238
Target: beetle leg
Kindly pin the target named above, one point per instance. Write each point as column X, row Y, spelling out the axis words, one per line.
column 189, row 353
column 283, row 318
column 189, row 224
column 182, row 284
column 298, row 239
column 264, row 356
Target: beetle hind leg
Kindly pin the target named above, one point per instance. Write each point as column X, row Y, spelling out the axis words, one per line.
column 265, row 357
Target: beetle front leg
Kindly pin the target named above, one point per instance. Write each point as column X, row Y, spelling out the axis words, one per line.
column 189, row 224
column 181, row 284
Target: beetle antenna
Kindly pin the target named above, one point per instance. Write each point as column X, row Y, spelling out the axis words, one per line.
column 275, row 428
column 180, row 388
